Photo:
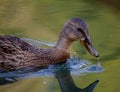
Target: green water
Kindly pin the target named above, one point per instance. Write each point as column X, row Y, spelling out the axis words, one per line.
column 44, row 19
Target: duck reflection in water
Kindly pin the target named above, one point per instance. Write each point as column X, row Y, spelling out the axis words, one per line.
column 67, row 84
column 63, row 75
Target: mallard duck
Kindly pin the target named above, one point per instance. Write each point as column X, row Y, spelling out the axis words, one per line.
column 16, row 54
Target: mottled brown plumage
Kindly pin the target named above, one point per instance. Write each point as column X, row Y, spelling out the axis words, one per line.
column 17, row 54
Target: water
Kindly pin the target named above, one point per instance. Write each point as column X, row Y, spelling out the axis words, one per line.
column 43, row 20
column 39, row 43
column 99, row 64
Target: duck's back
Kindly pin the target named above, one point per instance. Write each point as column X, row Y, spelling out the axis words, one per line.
column 14, row 44
column 16, row 53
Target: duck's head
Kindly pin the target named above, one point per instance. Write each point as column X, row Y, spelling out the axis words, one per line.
column 76, row 29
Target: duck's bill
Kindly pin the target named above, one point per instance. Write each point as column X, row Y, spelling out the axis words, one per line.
column 88, row 45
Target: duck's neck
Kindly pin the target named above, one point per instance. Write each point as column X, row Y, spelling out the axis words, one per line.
column 64, row 43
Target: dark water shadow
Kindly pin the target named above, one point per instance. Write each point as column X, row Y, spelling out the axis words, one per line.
column 64, row 78
column 62, row 72
column 67, row 84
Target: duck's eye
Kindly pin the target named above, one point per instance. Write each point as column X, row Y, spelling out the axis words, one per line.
column 81, row 30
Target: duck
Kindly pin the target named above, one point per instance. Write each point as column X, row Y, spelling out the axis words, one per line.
column 15, row 53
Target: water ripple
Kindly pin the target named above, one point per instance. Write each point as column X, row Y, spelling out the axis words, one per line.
column 75, row 65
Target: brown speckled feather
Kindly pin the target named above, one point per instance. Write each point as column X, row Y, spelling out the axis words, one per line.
column 16, row 54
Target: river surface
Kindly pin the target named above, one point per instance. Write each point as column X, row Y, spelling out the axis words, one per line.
column 40, row 23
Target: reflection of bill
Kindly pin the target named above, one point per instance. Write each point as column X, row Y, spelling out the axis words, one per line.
column 67, row 84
